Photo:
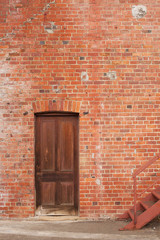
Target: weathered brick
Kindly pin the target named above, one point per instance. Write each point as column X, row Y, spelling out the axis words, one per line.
column 104, row 67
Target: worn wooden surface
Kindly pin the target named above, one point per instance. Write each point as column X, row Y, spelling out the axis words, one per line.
column 57, row 163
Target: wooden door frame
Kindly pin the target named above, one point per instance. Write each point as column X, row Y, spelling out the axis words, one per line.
column 60, row 114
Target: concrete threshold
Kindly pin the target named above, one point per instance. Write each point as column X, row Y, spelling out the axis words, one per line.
column 57, row 218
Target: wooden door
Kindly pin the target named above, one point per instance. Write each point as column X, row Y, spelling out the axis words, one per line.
column 57, row 164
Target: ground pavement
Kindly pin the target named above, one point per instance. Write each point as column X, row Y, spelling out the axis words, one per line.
column 36, row 229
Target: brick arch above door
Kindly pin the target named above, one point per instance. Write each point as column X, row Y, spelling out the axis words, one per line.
column 54, row 105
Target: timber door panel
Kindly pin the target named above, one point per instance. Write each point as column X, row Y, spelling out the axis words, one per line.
column 47, row 144
column 65, row 144
column 57, row 162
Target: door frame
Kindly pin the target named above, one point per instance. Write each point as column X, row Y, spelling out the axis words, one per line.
column 59, row 114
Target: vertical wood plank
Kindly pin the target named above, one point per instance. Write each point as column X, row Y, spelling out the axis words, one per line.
column 65, row 146
column 67, row 190
column 48, row 193
column 48, row 144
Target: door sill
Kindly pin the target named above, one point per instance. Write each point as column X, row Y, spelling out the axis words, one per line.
column 58, row 218
column 56, row 211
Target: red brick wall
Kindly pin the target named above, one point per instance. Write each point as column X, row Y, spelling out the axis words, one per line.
column 90, row 56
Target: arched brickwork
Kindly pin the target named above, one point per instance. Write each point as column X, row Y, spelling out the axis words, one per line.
column 52, row 105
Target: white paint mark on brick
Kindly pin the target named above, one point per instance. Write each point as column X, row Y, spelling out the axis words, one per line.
column 50, row 28
column 98, row 181
column 102, row 106
column 84, row 76
column 112, row 75
column 139, row 11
